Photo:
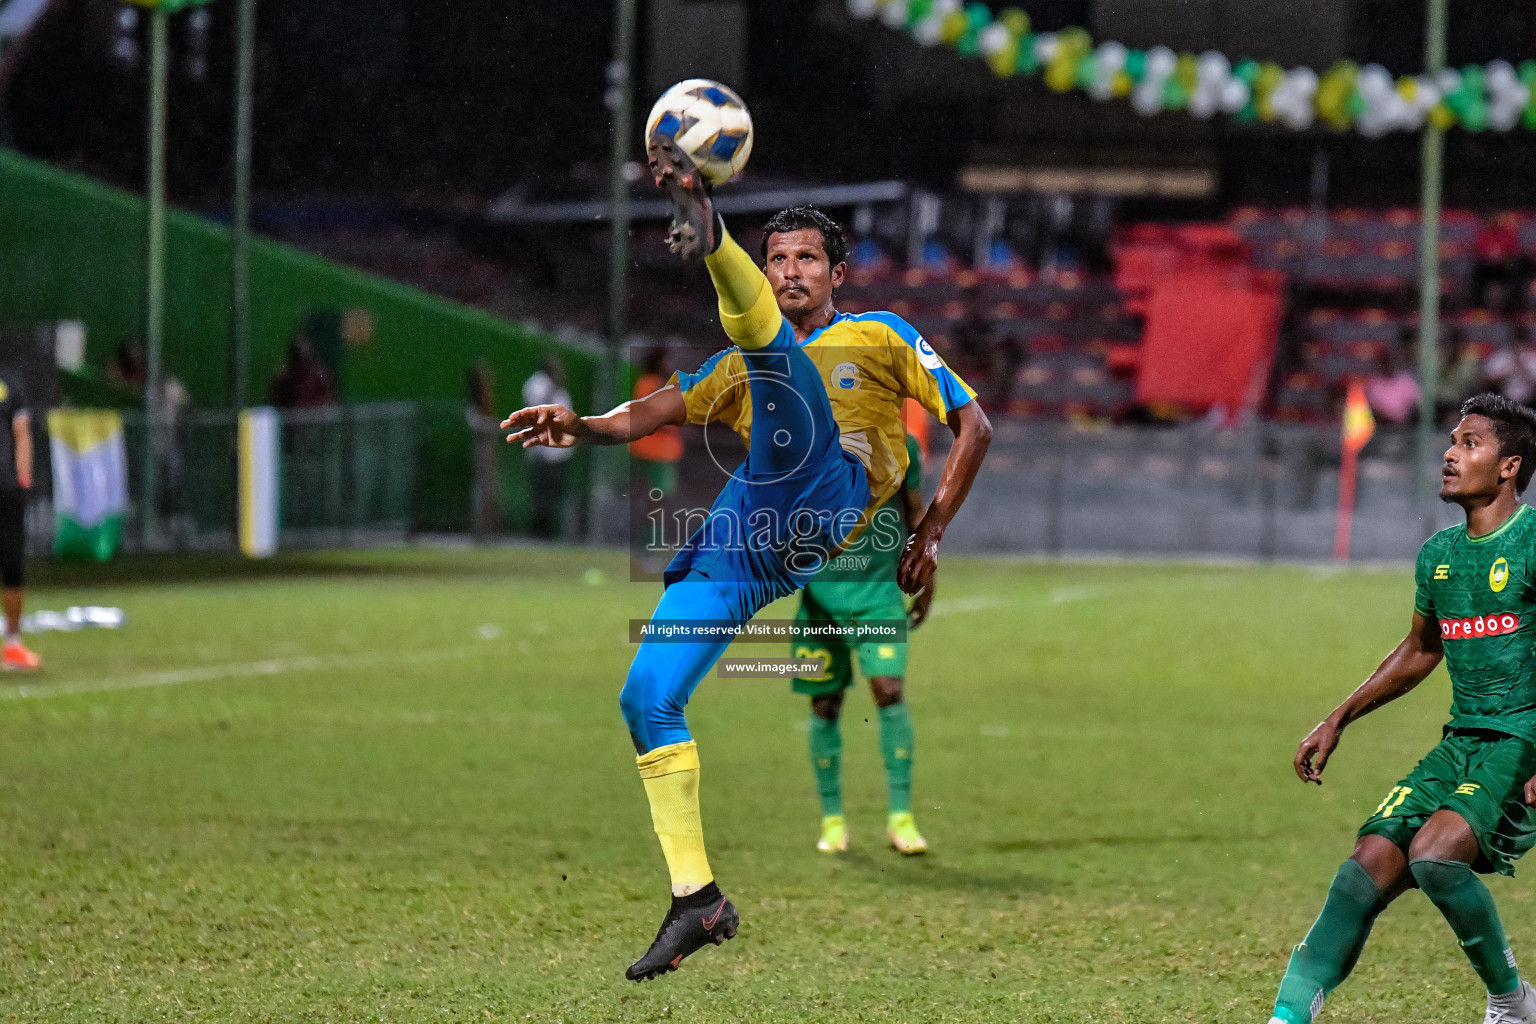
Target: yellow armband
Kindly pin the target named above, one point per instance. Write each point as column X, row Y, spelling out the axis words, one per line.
column 748, row 311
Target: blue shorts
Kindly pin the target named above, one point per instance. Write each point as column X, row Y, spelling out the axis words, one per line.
column 784, row 512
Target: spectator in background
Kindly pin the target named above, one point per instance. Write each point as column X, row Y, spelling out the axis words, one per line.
column 1460, row 380
column 303, row 382
column 1393, row 392
column 480, row 384
column 126, row 370
column 654, row 458
column 546, row 466
column 1496, row 270
column 1512, row 372
column 15, row 482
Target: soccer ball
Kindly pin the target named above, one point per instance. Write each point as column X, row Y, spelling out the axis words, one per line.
column 709, row 122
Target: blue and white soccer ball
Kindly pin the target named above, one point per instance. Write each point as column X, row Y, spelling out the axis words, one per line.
column 709, row 122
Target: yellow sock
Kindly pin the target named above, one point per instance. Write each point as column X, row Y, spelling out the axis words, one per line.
column 671, row 777
column 748, row 311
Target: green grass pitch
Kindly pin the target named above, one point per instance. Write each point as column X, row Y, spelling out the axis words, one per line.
column 396, row 787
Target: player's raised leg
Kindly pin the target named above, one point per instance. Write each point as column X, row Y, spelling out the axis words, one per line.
column 661, row 679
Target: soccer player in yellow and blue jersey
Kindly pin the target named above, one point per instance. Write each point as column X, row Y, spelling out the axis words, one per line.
column 817, row 397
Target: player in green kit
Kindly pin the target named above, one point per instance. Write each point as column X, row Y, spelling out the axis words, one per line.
column 1466, row 808
column 860, row 586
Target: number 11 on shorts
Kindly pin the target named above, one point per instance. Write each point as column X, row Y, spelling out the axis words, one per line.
column 1393, row 801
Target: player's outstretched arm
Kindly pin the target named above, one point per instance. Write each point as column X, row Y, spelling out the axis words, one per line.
column 748, row 311
column 973, row 434
column 555, row 426
column 1406, row 667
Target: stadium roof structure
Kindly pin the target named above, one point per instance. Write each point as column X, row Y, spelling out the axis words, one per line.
column 511, row 208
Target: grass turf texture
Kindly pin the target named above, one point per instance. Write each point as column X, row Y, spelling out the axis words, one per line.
column 320, row 791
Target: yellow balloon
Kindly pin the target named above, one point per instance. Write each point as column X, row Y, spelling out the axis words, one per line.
column 1441, row 117
column 1122, row 84
column 1074, row 40
column 1005, row 61
column 954, row 26
column 1270, row 76
column 1408, row 88
column 1016, row 20
column 1061, row 75
column 1187, row 71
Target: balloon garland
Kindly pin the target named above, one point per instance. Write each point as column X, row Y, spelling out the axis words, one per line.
column 1367, row 99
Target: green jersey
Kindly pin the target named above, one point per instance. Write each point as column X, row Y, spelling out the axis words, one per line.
column 1483, row 592
column 873, row 558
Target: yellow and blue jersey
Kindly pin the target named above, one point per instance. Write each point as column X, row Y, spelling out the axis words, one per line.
column 870, row 363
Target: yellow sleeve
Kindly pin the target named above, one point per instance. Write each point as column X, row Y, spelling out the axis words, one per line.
column 748, row 312
column 922, row 372
column 714, row 391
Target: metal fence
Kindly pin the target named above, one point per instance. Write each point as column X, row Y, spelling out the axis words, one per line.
column 1266, row 491
column 364, row 474
column 348, row 478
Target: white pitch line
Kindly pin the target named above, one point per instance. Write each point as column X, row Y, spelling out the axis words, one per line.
column 247, row 670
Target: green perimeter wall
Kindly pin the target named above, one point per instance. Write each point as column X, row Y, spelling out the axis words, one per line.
column 73, row 249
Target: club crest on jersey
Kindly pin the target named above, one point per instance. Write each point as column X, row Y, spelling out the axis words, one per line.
column 926, row 355
column 1498, row 575
column 845, row 376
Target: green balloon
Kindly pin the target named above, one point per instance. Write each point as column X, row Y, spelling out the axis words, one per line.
column 1087, row 70
column 979, row 15
column 1355, row 105
column 1476, row 117
column 1174, row 95
column 1528, row 71
column 1528, row 116
column 1248, row 71
column 1026, row 63
column 1248, row 114
column 917, row 10
column 968, row 45
column 1136, row 64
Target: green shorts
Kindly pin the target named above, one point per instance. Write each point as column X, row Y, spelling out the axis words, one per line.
column 843, row 603
column 1481, row 776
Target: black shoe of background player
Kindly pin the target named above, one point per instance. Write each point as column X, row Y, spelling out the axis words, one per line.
column 694, row 233
column 693, row 922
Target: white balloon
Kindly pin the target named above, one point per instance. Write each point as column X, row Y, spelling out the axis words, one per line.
column 1147, row 98
column 993, row 38
column 863, row 9
column 1213, row 66
column 1374, row 83
column 1504, row 116
column 929, row 31
column 1299, row 118
column 1234, row 95
column 1202, row 103
column 1110, row 56
column 1427, row 95
column 1449, row 80
column 1160, row 62
column 894, row 13
column 1304, row 79
column 1500, row 74
column 1045, row 47
column 941, row 8
column 1102, row 87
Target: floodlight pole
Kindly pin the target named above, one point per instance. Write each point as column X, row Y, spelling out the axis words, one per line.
column 1432, row 169
column 240, row 221
column 154, row 273
column 605, row 478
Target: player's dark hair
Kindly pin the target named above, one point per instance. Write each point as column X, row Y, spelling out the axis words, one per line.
column 797, row 217
column 1515, row 427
